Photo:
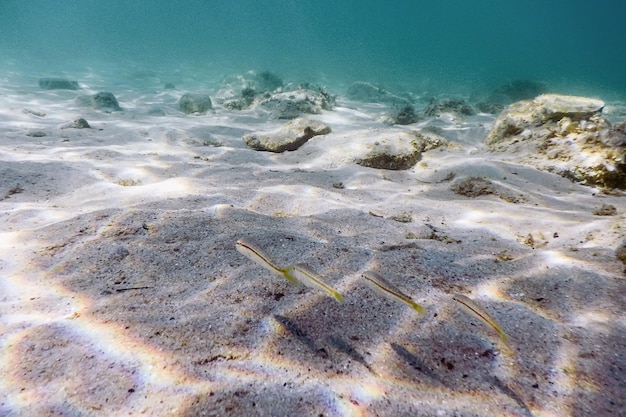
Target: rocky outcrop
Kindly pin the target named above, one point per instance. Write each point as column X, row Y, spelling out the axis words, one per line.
column 288, row 137
column 58, row 84
column 191, row 103
column 291, row 104
column 520, row 90
column 455, row 106
column 566, row 135
column 100, row 101
column 394, row 149
column 367, row 92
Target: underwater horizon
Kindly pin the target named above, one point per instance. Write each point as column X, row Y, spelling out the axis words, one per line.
column 453, row 47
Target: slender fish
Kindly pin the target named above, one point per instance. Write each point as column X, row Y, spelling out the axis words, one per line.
column 473, row 309
column 298, row 274
column 303, row 274
column 387, row 289
column 254, row 253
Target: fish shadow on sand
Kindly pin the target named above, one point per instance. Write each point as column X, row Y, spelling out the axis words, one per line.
column 416, row 363
column 346, row 348
column 300, row 335
column 511, row 394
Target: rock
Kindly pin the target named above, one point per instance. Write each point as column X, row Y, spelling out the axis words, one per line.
column 76, row 124
column 605, row 210
column 620, row 253
column 57, row 84
column 487, row 106
column 288, row 137
column 521, row 90
column 532, row 113
column 395, row 149
column 405, row 115
column 37, row 134
column 81, row 124
column 195, row 103
column 455, row 106
column 100, row 101
column 566, row 135
column 241, row 103
column 266, row 81
column 291, row 104
column 367, row 92
column 473, row 187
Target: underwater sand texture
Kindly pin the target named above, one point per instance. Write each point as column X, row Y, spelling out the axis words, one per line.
column 122, row 292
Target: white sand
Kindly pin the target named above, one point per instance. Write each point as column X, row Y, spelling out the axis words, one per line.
column 121, row 292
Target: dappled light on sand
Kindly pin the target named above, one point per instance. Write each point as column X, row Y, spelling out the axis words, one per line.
column 153, row 264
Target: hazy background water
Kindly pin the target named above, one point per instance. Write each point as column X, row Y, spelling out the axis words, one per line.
column 458, row 46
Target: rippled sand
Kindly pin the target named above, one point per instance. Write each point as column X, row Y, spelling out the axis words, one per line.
column 121, row 292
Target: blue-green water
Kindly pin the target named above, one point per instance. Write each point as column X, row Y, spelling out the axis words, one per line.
column 574, row 46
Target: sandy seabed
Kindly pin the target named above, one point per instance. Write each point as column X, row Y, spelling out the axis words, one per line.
column 122, row 293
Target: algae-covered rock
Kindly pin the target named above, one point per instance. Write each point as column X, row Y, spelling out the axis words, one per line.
column 100, row 101
column 521, row 90
column 288, row 137
column 394, row 149
column 566, row 135
column 547, row 107
column 291, row 104
column 367, row 92
column 195, row 103
column 58, row 84
column 454, row 106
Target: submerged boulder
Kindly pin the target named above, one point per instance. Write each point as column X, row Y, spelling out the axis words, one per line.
column 100, row 101
column 58, row 84
column 370, row 93
column 521, row 90
column 288, row 137
column 394, row 149
column 534, row 113
column 456, row 106
column 291, row 104
column 191, row 103
column 566, row 135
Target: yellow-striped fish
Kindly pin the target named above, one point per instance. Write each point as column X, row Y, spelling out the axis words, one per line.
column 473, row 309
column 387, row 289
column 309, row 278
column 254, row 253
column 298, row 274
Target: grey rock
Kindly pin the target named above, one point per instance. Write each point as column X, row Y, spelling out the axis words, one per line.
column 455, row 106
column 394, row 149
column 521, row 90
column 99, row 101
column 288, row 137
column 367, row 92
column 291, row 104
column 58, row 84
column 37, row 134
column 195, row 103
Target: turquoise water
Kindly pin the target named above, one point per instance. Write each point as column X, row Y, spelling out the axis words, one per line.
column 574, row 46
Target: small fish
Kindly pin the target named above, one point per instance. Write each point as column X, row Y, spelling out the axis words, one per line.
column 303, row 274
column 473, row 309
column 298, row 274
column 387, row 289
column 257, row 255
